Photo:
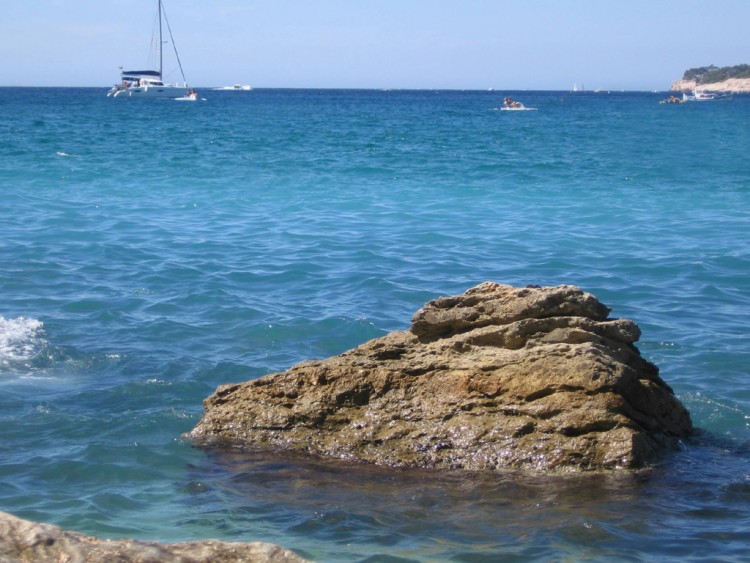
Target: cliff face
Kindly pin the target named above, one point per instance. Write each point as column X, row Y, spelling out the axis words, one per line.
column 498, row 377
column 737, row 85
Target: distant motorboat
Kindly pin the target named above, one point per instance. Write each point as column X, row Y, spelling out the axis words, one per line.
column 191, row 96
column 705, row 96
column 235, row 88
column 150, row 83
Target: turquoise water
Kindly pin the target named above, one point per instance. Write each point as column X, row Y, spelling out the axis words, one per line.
column 153, row 250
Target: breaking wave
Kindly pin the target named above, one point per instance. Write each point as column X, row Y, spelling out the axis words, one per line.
column 20, row 340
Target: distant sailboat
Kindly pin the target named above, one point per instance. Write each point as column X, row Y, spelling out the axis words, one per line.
column 149, row 83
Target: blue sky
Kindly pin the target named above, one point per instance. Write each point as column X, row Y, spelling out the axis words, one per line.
column 456, row 44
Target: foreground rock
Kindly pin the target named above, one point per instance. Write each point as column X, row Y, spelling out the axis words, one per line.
column 499, row 377
column 21, row 540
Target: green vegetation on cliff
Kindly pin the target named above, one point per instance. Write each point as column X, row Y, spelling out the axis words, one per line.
column 712, row 73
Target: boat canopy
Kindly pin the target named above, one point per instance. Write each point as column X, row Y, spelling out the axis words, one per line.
column 141, row 73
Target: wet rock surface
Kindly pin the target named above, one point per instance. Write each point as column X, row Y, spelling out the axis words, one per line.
column 25, row 541
column 497, row 377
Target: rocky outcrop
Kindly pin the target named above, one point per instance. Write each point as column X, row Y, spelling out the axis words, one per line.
column 737, row 85
column 24, row 541
column 498, row 377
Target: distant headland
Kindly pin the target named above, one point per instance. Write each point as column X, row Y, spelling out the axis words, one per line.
column 728, row 79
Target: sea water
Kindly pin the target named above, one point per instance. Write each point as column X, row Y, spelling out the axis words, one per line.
column 153, row 250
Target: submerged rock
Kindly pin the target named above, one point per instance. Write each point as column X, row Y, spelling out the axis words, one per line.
column 498, row 377
column 21, row 540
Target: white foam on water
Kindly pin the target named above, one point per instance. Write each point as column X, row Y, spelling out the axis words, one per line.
column 20, row 339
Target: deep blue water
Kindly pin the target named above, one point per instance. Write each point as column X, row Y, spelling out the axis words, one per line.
column 153, row 250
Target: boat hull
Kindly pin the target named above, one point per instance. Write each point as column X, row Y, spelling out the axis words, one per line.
column 167, row 92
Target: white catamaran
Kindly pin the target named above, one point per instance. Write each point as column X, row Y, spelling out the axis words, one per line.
column 149, row 83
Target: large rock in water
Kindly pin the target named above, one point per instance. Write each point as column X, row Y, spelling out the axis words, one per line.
column 21, row 540
column 498, row 377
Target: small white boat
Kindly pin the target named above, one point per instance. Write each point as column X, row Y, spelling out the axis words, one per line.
column 150, row 83
column 235, row 88
column 191, row 96
column 706, row 96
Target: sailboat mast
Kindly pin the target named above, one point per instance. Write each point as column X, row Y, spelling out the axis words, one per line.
column 161, row 47
column 174, row 45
